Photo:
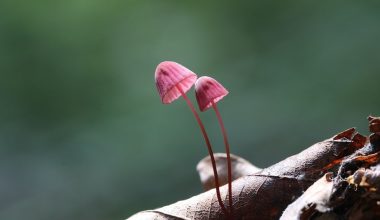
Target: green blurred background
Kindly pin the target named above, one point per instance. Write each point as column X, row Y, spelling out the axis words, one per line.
column 83, row 134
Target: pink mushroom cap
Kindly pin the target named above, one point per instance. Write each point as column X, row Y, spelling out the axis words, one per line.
column 168, row 76
column 208, row 90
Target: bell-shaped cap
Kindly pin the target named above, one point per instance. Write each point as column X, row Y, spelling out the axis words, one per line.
column 208, row 90
column 170, row 74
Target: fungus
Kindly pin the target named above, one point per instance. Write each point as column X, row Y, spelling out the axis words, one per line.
column 208, row 92
column 174, row 80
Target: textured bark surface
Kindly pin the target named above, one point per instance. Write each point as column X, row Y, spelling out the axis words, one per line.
column 265, row 195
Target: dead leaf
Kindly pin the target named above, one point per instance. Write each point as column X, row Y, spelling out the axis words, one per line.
column 374, row 124
column 264, row 195
column 355, row 191
column 240, row 167
column 315, row 198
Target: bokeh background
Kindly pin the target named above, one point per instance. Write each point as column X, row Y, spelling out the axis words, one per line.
column 83, row 134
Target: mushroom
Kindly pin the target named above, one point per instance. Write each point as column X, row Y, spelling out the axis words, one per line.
column 174, row 80
column 208, row 92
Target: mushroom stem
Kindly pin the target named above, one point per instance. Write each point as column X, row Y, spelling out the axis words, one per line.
column 227, row 146
column 210, row 152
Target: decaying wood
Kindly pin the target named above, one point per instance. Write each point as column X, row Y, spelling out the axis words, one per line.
column 264, row 195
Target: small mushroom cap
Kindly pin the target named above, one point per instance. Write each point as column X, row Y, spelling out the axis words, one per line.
column 168, row 75
column 208, row 90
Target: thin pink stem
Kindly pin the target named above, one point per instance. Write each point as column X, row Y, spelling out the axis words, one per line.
column 227, row 146
column 208, row 148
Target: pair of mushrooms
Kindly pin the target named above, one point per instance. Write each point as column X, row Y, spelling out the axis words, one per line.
column 173, row 81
